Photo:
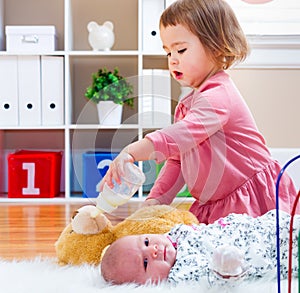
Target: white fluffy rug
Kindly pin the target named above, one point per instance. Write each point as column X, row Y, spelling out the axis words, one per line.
column 45, row 276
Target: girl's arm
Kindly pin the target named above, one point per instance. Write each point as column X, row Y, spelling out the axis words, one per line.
column 167, row 185
column 201, row 122
column 141, row 150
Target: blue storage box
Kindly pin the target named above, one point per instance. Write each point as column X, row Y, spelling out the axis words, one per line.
column 149, row 169
column 95, row 166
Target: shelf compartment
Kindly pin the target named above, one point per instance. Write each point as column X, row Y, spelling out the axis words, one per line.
column 125, row 24
column 94, row 140
column 98, row 126
column 32, row 12
column 104, row 53
column 81, row 70
column 44, row 140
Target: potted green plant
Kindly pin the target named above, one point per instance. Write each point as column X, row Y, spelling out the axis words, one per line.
column 111, row 88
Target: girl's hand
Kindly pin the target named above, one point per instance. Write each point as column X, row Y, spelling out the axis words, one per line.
column 150, row 202
column 116, row 170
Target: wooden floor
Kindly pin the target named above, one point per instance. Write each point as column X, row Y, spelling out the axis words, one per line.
column 30, row 230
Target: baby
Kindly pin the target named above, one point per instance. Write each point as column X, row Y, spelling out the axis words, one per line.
column 235, row 247
column 139, row 258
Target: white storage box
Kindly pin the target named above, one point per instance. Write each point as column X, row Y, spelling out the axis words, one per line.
column 31, row 39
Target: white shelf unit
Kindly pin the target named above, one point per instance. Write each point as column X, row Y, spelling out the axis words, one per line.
column 80, row 131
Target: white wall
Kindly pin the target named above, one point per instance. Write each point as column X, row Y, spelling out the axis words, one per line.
column 273, row 96
column 284, row 156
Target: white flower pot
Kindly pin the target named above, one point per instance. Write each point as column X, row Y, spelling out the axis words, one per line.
column 109, row 113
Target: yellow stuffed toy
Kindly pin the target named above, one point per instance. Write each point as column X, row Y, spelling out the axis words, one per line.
column 90, row 232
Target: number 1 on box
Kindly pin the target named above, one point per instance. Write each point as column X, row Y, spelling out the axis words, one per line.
column 30, row 189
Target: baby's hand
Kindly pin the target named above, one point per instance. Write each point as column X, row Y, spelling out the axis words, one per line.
column 228, row 261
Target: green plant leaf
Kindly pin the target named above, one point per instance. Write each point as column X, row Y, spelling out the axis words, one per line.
column 110, row 86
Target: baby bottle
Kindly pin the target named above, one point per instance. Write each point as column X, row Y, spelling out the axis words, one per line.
column 109, row 199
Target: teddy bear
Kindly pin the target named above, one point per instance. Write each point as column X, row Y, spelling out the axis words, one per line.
column 87, row 235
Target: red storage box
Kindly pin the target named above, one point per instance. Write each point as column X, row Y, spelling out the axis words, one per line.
column 34, row 174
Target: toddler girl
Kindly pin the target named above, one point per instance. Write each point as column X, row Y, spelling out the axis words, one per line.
column 214, row 145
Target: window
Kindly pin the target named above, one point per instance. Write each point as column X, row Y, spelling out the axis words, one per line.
column 270, row 17
column 276, row 17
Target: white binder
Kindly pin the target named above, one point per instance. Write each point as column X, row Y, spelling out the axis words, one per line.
column 161, row 81
column 52, row 84
column 8, row 91
column 29, row 90
column 152, row 9
column 146, row 100
column 156, row 98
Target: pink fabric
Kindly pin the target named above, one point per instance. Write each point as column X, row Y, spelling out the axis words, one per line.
column 215, row 148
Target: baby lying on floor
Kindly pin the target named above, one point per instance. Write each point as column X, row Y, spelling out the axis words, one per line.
column 236, row 247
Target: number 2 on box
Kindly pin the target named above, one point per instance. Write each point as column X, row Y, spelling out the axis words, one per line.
column 30, row 189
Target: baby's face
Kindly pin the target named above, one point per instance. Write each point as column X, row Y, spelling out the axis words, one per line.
column 145, row 257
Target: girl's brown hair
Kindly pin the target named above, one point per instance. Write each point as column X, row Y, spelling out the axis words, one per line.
column 216, row 26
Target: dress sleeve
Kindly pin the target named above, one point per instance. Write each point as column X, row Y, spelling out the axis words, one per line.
column 205, row 116
column 168, row 183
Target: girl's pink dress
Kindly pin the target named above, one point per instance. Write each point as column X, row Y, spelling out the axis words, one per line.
column 215, row 148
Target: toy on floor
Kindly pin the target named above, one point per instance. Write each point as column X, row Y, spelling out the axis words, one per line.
column 291, row 229
column 85, row 238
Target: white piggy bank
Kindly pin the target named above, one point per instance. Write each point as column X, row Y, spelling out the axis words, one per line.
column 101, row 37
